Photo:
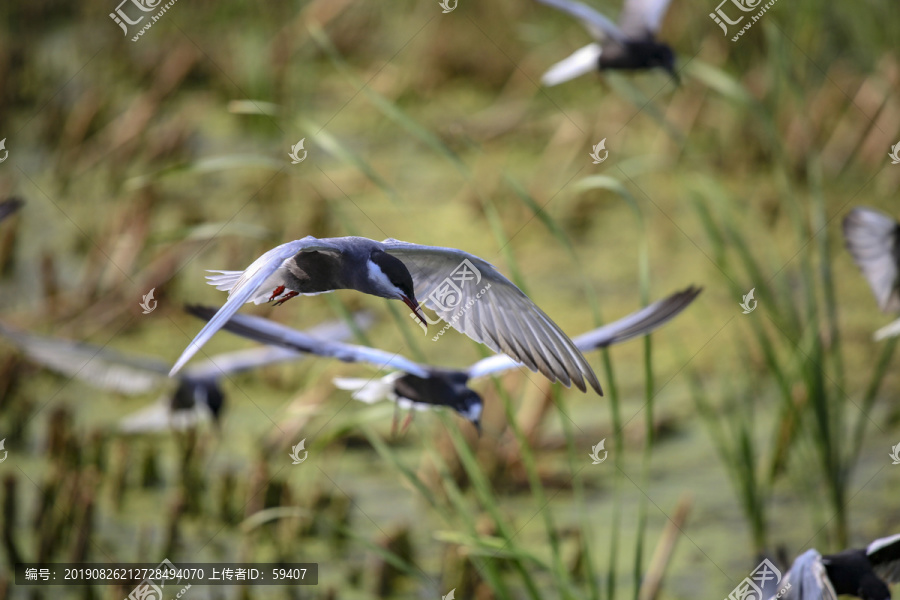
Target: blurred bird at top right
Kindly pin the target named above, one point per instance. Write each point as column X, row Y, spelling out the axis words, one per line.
column 631, row 45
column 872, row 238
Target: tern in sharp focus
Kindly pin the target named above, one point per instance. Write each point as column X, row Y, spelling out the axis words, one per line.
column 873, row 238
column 417, row 386
column 464, row 290
column 198, row 395
column 630, row 45
column 862, row 572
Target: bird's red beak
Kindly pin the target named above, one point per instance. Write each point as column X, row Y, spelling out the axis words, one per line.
column 415, row 308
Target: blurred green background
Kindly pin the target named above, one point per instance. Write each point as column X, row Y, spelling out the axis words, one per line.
column 145, row 163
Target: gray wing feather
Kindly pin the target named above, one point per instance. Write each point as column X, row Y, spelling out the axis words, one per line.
column 636, row 324
column 492, row 365
column 97, row 366
column 599, row 26
column 503, row 318
column 808, row 579
column 269, row 332
column 243, row 360
column 245, row 288
column 871, row 238
column 641, row 19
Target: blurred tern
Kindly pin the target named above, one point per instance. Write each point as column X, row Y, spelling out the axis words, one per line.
column 198, row 395
column 862, row 572
column 873, row 238
column 420, row 387
column 497, row 313
column 631, row 45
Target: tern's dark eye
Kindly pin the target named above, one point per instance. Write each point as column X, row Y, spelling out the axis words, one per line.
column 406, row 286
column 395, row 271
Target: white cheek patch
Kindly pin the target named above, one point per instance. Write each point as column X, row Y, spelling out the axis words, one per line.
column 381, row 281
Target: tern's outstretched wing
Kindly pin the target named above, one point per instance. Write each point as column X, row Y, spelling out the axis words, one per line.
column 242, row 288
column 641, row 19
column 95, row 365
column 243, row 360
column 599, row 26
column 269, row 332
column 473, row 297
column 636, row 324
column 872, row 238
column 581, row 62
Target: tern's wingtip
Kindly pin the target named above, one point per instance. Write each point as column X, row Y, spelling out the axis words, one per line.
column 180, row 363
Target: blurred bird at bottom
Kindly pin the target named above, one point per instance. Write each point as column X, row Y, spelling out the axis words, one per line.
column 198, row 396
column 415, row 386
